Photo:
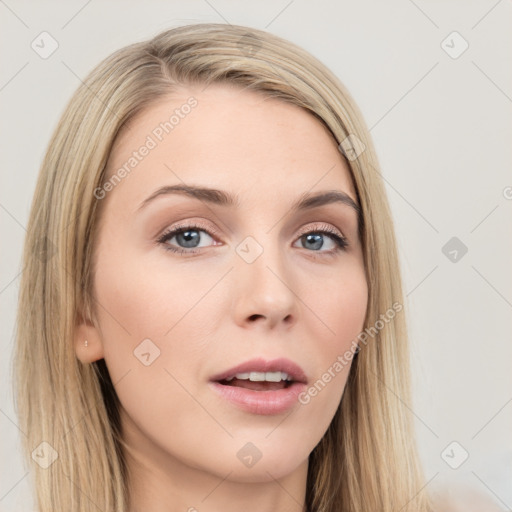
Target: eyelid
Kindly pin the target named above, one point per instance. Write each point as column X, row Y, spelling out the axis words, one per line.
column 329, row 228
column 188, row 224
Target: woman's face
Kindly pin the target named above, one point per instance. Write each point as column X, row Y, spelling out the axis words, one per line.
column 250, row 280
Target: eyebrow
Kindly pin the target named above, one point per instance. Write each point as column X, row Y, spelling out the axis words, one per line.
column 306, row 201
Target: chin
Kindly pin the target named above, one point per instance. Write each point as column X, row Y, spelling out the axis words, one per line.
column 262, row 472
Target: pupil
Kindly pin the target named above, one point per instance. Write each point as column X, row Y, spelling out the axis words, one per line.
column 190, row 238
column 317, row 241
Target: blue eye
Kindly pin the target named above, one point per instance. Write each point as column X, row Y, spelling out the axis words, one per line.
column 316, row 240
column 188, row 239
column 186, row 235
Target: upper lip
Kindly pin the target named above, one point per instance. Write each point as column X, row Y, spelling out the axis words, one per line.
column 263, row 365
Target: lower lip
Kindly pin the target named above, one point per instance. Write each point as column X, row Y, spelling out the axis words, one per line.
column 261, row 402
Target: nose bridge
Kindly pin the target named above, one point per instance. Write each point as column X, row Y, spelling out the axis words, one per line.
column 262, row 279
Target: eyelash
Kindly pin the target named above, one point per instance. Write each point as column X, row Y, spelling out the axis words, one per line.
column 340, row 241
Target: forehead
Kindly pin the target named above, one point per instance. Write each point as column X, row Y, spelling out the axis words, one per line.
column 225, row 137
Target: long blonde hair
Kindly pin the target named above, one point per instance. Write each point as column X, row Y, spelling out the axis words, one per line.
column 367, row 460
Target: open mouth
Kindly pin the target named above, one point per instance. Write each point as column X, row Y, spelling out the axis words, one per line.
column 261, row 387
column 259, row 381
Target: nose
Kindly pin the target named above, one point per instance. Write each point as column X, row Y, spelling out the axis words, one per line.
column 264, row 292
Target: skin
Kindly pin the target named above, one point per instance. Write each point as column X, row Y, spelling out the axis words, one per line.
column 213, row 310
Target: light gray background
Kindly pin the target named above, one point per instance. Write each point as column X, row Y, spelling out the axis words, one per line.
column 442, row 129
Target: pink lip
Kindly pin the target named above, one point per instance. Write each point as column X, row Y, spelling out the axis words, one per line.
column 261, row 365
column 262, row 402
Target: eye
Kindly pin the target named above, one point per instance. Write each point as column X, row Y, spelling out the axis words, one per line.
column 187, row 237
column 315, row 240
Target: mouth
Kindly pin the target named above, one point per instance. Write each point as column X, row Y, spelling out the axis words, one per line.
column 261, row 387
column 262, row 375
column 259, row 381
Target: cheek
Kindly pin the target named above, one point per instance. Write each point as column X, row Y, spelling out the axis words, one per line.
column 340, row 306
column 139, row 300
column 156, row 321
column 134, row 312
column 151, row 340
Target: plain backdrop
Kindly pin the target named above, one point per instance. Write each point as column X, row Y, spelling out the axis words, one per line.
column 440, row 117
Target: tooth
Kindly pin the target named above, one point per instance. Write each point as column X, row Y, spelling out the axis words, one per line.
column 273, row 376
column 262, row 376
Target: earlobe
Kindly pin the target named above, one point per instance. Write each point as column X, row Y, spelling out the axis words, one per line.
column 87, row 341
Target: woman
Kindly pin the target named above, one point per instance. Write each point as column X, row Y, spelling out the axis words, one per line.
column 211, row 310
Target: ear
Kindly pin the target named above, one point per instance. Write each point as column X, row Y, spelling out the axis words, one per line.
column 86, row 331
